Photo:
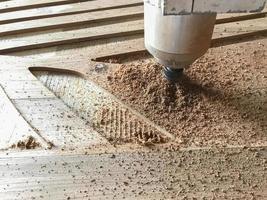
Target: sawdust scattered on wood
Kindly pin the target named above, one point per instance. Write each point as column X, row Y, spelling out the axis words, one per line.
column 214, row 103
column 29, row 143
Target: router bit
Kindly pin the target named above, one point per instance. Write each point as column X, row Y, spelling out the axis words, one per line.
column 178, row 32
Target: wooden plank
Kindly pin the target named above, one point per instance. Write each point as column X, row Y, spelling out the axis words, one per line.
column 71, row 21
column 75, row 9
column 131, row 45
column 29, row 4
column 69, row 37
column 134, row 27
column 226, row 18
column 225, row 30
column 14, row 74
column 13, row 128
column 195, row 174
column 48, row 115
column 99, row 16
column 59, row 124
column 96, row 17
column 230, row 33
column 131, row 28
column 25, row 89
column 9, row 63
column 70, row 9
column 80, row 52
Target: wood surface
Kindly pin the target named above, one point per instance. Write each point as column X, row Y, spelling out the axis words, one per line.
column 206, row 174
column 64, row 130
column 69, row 37
column 69, row 9
column 83, row 164
column 28, row 4
column 70, row 21
column 110, row 24
column 13, row 127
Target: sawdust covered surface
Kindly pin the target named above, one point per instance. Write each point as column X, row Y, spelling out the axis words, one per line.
column 221, row 99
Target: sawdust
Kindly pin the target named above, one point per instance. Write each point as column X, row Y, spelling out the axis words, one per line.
column 29, row 143
column 214, row 103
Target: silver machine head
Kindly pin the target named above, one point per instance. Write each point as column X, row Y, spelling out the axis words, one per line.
column 177, row 32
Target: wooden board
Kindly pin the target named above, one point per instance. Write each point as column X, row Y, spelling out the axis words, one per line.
column 45, row 33
column 98, row 16
column 225, row 18
column 73, row 21
column 38, row 106
column 69, row 9
column 207, row 174
column 13, row 127
column 65, row 129
column 68, row 37
column 123, row 29
column 106, row 171
column 28, row 4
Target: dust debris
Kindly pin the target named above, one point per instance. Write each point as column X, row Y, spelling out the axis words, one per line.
column 212, row 104
column 29, row 143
